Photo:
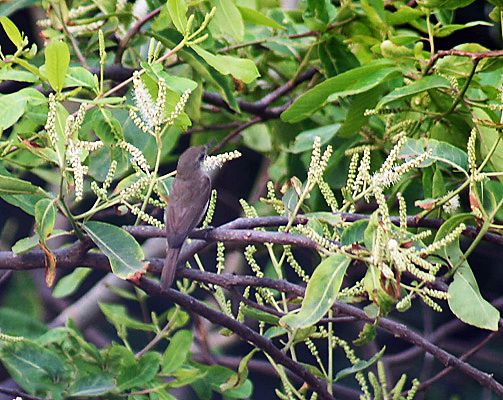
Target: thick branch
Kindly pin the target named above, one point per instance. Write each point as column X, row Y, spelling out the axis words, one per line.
column 243, row 331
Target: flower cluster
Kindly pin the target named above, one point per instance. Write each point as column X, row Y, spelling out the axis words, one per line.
column 149, row 115
column 215, row 162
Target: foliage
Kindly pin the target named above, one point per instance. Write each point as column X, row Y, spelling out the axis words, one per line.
column 354, row 108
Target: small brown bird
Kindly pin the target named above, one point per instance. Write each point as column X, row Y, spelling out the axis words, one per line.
column 188, row 200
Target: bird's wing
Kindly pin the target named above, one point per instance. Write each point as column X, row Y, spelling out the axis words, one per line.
column 187, row 205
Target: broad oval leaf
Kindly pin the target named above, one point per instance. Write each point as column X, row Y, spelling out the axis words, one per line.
column 12, row 31
column 71, row 282
column 487, row 137
column 240, row 68
column 357, row 80
column 45, row 217
column 177, row 351
column 321, row 292
column 32, row 366
column 467, row 303
column 91, row 385
column 57, row 60
column 11, row 185
column 177, row 10
column 421, row 85
column 228, row 20
column 465, row 299
column 304, row 140
column 123, row 251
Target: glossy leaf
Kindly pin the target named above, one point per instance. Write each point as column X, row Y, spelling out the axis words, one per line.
column 465, row 299
column 11, row 185
column 57, row 60
column 177, row 10
column 45, row 217
column 12, row 31
column 321, row 292
column 419, row 86
column 92, row 385
column 240, row 68
column 123, row 251
column 467, row 303
column 228, row 20
column 177, row 352
column 140, row 372
column 67, row 285
column 304, row 140
column 33, row 367
column 118, row 316
column 257, row 18
column 357, row 80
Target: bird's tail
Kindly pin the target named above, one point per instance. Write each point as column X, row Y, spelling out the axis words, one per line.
column 169, row 269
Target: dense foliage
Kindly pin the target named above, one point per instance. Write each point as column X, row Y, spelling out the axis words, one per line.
column 379, row 189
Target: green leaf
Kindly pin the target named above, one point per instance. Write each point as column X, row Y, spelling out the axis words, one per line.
column 118, row 316
column 123, row 251
column 441, row 152
column 421, row 85
column 12, row 107
column 354, row 233
column 12, row 185
column 228, row 20
column 357, row 80
column 33, row 367
column 238, row 379
column 240, row 68
column 7, row 74
column 223, row 84
column 45, row 218
column 12, row 32
column 259, row 315
column 140, row 372
column 467, row 303
column 80, row 77
column 177, row 10
column 177, row 352
column 359, row 366
column 57, row 60
column 12, row 6
column 25, row 244
column 257, row 18
column 336, row 57
column 465, row 299
column 449, row 29
column 321, row 292
column 25, row 202
column 67, row 285
column 487, row 137
column 15, row 322
column 92, row 385
column 257, row 137
column 304, row 140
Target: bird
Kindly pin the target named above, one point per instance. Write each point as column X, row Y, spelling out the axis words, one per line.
column 188, row 201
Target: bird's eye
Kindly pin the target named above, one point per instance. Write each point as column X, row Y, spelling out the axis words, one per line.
column 201, row 156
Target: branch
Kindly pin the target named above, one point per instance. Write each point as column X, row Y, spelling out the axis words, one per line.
column 243, row 331
column 225, row 280
column 132, row 32
column 250, row 223
column 474, row 55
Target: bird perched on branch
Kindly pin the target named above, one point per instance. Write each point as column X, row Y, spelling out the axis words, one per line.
column 188, row 200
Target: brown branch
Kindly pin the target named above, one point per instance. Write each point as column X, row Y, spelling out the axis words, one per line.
column 243, row 331
column 250, row 223
column 426, row 384
column 474, row 55
column 36, row 260
column 132, row 32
